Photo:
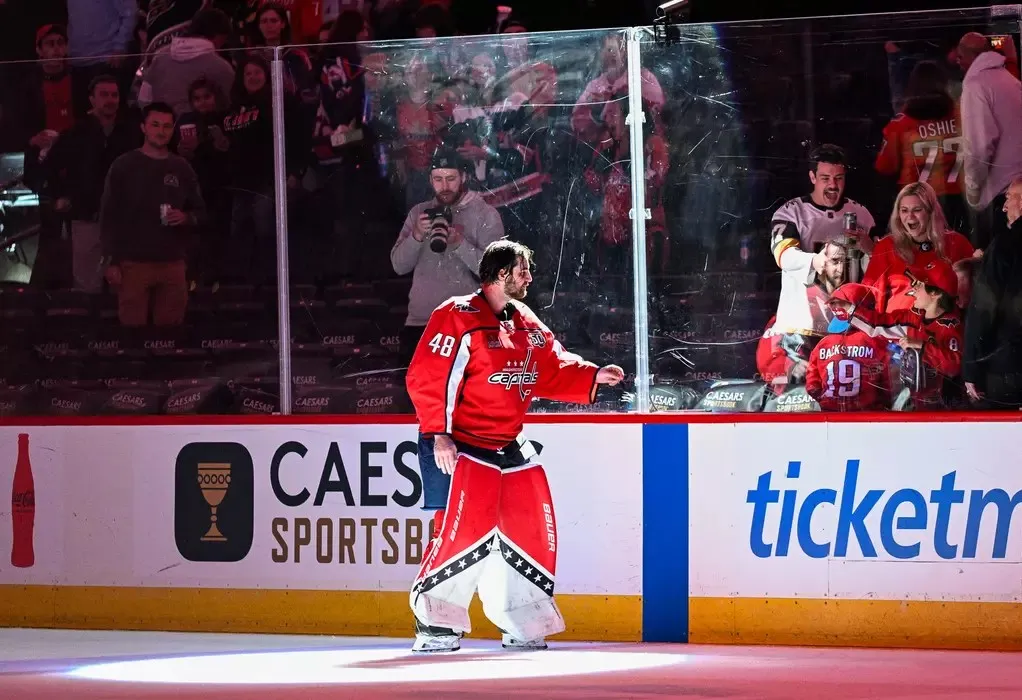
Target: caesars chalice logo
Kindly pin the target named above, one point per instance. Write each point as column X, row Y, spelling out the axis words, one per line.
column 214, row 480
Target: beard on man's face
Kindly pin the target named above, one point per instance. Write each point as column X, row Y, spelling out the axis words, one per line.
column 447, row 197
column 834, row 277
column 514, row 290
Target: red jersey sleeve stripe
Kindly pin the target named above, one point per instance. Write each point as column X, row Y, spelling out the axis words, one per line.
column 454, row 380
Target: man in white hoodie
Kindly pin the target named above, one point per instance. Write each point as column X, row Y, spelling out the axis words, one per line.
column 187, row 59
column 992, row 125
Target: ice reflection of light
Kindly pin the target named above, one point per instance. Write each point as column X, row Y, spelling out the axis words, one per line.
column 341, row 666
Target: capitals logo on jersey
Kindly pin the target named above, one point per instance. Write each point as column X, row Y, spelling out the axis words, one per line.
column 517, row 374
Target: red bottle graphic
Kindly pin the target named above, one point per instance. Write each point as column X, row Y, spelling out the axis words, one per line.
column 23, row 508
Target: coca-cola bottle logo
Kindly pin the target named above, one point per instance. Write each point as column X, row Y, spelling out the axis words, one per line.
column 23, row 509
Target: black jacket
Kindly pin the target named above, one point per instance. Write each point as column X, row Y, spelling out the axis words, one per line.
column 78, row 163
column 210, row 164
column 993, row 324
column 249, row 126
column 23, row 116
column 24, row 106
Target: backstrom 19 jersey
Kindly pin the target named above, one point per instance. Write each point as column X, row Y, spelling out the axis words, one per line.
column 849, row 372
column 474, row 374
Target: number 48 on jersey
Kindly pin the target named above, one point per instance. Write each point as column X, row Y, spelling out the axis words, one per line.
column 442, row 345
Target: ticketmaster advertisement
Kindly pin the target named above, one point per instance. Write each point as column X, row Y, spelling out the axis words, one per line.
column 888, row 511
column 284, row 507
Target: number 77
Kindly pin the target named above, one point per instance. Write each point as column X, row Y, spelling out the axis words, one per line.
column 931, row 149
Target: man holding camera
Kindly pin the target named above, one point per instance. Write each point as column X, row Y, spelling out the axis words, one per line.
column 442, row 243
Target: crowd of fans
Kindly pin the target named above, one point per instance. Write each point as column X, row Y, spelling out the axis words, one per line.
column 892, row 334
column 153, row 287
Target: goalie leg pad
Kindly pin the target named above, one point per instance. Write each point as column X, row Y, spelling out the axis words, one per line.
column 517, row 585
column 428, row 552
column 448, row 576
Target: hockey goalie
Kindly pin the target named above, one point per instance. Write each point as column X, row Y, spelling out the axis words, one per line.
column 481, row 361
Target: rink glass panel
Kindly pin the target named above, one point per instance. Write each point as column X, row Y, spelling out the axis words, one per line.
column 744, row 104
column 65, row 352
column 532, row 155
column 731, row 112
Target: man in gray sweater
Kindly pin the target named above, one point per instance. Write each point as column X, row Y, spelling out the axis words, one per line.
column 443, row 256
column 151, row 206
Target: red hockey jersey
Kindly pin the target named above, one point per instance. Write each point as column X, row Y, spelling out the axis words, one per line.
column 924, row 150
column 850, row 372
column 886, row 270
column 942, row 347
column 474, row 375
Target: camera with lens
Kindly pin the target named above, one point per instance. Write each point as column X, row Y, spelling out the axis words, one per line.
column 440, row 221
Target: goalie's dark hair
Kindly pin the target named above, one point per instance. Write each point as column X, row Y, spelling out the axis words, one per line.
column 500, row 256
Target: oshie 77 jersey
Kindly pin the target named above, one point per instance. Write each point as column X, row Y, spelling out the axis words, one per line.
column 929, row 150
column 474, row 374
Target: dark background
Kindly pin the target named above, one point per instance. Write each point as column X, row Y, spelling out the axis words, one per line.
column 20, row 18
column 543, row 15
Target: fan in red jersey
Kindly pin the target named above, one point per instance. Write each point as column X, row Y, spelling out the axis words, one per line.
column 919, row 235
column 481, row 361
column 924, row 142
column 932, row 327
column 849, row 368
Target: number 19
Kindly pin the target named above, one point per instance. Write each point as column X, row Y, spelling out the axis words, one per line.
column 848, row 379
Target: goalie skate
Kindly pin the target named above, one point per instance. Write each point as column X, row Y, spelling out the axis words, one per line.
column 509, row 642
column 430, row 640
column 436, row 643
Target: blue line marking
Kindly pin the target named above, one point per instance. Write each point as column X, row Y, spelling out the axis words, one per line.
column 665, row 585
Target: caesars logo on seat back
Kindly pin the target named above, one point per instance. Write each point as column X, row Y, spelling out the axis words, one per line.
column 214, row 496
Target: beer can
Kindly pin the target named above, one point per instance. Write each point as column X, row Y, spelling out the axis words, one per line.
column 164, row 213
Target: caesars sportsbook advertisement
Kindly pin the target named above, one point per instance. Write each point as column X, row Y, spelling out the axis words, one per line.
column 284, row 506
column 309, row 485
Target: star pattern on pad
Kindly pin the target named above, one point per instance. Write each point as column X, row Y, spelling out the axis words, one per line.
column 517, row 560
column 514, row 558
column 451, row 568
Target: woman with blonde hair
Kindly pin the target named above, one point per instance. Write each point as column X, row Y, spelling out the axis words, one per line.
column 918, row 235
